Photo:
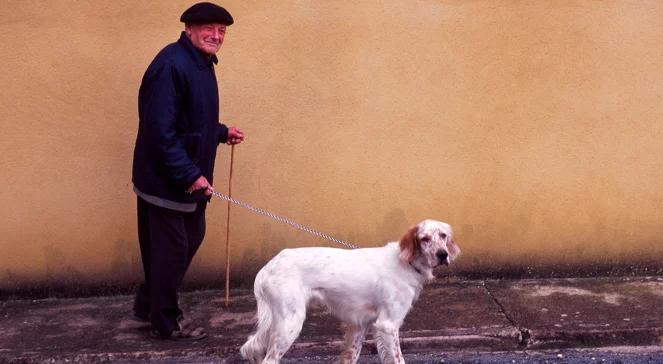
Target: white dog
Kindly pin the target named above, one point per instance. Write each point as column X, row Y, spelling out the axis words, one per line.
column 362, row 287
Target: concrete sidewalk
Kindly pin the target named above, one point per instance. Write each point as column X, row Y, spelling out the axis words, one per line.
column 450, row 315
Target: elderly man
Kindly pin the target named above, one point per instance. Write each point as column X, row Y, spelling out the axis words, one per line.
column 178, row 133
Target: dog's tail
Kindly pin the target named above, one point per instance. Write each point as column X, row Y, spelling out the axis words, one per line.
column 255, row 348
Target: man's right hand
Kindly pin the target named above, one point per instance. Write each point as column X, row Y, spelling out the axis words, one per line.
column 201, row 184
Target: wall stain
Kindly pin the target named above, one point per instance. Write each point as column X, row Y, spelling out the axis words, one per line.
column 254, row 258
column 57, row 266
column 126, row 265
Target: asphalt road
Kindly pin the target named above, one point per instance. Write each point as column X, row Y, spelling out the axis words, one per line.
column 614, row 355
column 609, row 355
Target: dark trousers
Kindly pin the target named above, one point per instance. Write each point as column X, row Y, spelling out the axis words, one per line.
column 168, row 241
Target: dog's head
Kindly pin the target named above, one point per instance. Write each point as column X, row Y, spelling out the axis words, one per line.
column 429, row 244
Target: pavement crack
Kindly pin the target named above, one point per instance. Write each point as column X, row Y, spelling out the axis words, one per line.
column 524, row 332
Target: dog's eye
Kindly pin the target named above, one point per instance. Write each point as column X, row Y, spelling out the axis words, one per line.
column 425, row 239
column 443, row 235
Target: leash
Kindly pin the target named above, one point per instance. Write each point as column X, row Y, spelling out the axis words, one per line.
column 283, row 220
column 271, row 215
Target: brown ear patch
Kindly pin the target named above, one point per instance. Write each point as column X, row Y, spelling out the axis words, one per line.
column 409, row 245
column 454, row 250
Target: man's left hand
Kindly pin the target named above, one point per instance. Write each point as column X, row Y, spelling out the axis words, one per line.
column 235, row 136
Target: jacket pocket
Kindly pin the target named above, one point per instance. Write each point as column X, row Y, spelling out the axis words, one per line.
column 191, row 143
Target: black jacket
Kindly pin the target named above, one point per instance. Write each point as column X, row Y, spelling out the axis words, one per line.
column 178, row 129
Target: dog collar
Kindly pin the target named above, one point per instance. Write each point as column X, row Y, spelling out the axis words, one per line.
column 415, row 268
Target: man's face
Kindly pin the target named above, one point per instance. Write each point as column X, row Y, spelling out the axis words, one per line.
column 206, row 37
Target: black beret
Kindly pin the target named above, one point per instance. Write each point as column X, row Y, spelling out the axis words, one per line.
column 206, row 13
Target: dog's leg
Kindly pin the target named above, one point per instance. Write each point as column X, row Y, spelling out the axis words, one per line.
column 284, row 333
column 255, row 348
column 289, row 313
column 354, row 339
column 387, row 342
column 399, row 353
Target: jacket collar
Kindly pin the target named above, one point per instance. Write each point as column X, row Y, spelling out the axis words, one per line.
column 202, row 59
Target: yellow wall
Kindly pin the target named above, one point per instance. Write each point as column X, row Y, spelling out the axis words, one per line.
column 533, row 127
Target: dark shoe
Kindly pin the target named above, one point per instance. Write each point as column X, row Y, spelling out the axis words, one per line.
column 182, row 335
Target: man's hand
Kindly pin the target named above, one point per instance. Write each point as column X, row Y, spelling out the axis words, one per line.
column 235, row 136
column 201, row 184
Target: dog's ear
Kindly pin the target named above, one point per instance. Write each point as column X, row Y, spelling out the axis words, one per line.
column 410, row 245
column 453, row 249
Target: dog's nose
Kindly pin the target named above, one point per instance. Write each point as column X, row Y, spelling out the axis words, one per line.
column 442, row 257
